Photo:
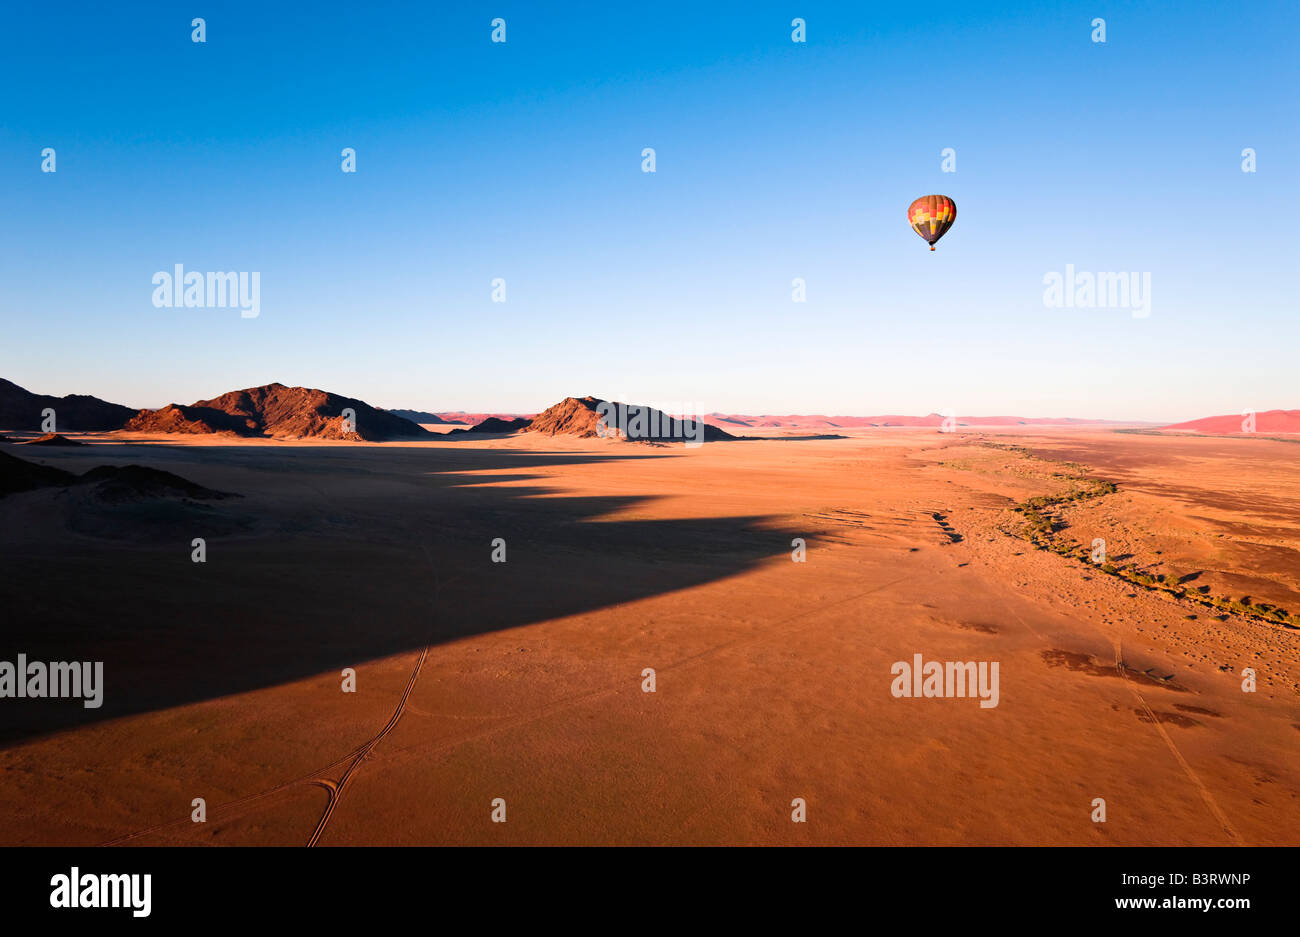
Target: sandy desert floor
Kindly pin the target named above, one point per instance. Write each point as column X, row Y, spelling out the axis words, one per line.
column 523, row 680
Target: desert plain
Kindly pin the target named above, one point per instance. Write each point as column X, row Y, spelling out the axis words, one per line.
column 524, row 681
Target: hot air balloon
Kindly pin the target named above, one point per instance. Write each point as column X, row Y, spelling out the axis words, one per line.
column 931, row 216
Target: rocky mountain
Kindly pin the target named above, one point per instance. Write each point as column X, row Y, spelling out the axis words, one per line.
column 582, row 416
column 423, row 416
column 21, row 410
column 274, row 410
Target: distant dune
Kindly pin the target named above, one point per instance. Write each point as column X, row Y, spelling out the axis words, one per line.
column 20, row 409
column 1267, row 421
column 818, row 421
column 466, row 419
column 278, row 411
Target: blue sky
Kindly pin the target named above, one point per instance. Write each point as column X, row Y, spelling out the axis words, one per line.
column 775, row 160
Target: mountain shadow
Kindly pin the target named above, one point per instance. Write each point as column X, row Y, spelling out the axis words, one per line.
column 334, row 555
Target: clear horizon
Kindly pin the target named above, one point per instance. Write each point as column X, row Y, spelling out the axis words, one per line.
column 775, row 160
column 703, row 412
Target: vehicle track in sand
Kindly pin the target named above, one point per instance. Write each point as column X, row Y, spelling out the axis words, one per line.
column 336, row 791
column 1154, row 720
column 1192, row 776
column 320, row 777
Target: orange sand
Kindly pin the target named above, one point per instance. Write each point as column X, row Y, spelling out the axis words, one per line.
column 523, row 680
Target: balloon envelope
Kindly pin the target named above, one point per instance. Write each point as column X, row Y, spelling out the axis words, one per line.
column 931, row 216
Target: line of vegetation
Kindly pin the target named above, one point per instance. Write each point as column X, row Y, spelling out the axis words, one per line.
column 1155, row 432
column 1043, row 523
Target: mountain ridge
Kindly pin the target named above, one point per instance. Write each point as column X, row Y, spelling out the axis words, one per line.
column 277, row 411
column 22, row 410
